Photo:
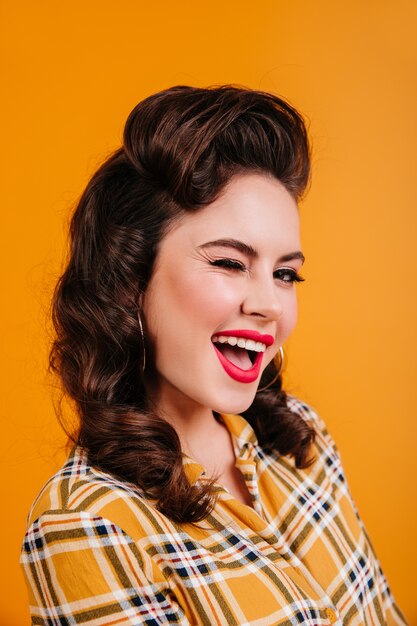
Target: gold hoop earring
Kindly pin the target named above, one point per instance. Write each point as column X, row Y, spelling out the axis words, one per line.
column 143, row 342
column 281, row 353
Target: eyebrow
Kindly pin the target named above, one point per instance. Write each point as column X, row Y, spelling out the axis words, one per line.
column 248, row 250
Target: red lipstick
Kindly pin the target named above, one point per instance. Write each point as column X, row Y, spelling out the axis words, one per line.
column 235, row 372
column 242, row 376
column 268, row 340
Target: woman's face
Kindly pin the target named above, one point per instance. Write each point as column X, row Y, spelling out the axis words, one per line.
column 224, row 275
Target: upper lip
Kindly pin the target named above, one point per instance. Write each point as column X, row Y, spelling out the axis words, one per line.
column 268, row 340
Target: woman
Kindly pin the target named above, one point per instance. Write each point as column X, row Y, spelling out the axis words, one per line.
column 197, row 490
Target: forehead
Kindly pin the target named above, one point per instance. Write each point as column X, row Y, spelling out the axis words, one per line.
column 254, row 208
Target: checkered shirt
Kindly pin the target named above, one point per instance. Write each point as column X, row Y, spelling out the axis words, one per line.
column 97, row 553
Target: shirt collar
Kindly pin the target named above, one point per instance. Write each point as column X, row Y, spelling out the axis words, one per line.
column 240, row 429
column 243, row 437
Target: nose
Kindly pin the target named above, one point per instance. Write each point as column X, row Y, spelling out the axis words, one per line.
column 262, row 299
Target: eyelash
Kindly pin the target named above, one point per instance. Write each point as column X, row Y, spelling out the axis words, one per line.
column 237, row 266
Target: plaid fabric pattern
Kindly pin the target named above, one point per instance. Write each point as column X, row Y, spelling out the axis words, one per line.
column 97, row 553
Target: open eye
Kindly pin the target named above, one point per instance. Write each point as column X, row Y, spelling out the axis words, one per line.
column 230, row 264
column 288, row 275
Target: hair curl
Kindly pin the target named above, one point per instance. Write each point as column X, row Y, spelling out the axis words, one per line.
column 180, row 148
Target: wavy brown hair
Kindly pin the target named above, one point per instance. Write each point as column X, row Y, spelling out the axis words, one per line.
column 181, row 146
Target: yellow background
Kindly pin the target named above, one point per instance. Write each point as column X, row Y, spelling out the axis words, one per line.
column 72, row 71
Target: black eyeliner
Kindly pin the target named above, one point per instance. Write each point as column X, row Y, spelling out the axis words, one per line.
column 228, row 264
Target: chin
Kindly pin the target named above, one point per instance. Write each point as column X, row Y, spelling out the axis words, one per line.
column 236, row 404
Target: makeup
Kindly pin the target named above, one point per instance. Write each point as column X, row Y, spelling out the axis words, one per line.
column 240, row 352
column 268, row 340
column 214, row 327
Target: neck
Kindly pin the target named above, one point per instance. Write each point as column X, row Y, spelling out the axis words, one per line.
column 195, row 424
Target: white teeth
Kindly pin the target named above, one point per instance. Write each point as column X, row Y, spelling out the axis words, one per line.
column 248, row 344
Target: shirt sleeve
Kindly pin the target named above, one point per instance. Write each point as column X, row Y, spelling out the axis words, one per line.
column 393, row 615
column 84, row 569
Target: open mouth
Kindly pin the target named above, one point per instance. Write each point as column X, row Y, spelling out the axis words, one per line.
column 243, row 353
column 241, row 357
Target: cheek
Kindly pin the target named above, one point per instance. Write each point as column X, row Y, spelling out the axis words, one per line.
column 289, row 319
column 184, row 308
column 204, row 298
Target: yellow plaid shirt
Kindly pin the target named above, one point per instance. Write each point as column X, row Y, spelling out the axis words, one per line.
column 97, row 553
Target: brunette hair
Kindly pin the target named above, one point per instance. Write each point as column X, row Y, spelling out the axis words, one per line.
column 180, row 148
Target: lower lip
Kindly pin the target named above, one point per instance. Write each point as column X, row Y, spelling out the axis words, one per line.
column 242, row 376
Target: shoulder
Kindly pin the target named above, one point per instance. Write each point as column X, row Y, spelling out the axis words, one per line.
column 79, row 491
column 325, row 448
column 85, row 524
column 307, row 412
